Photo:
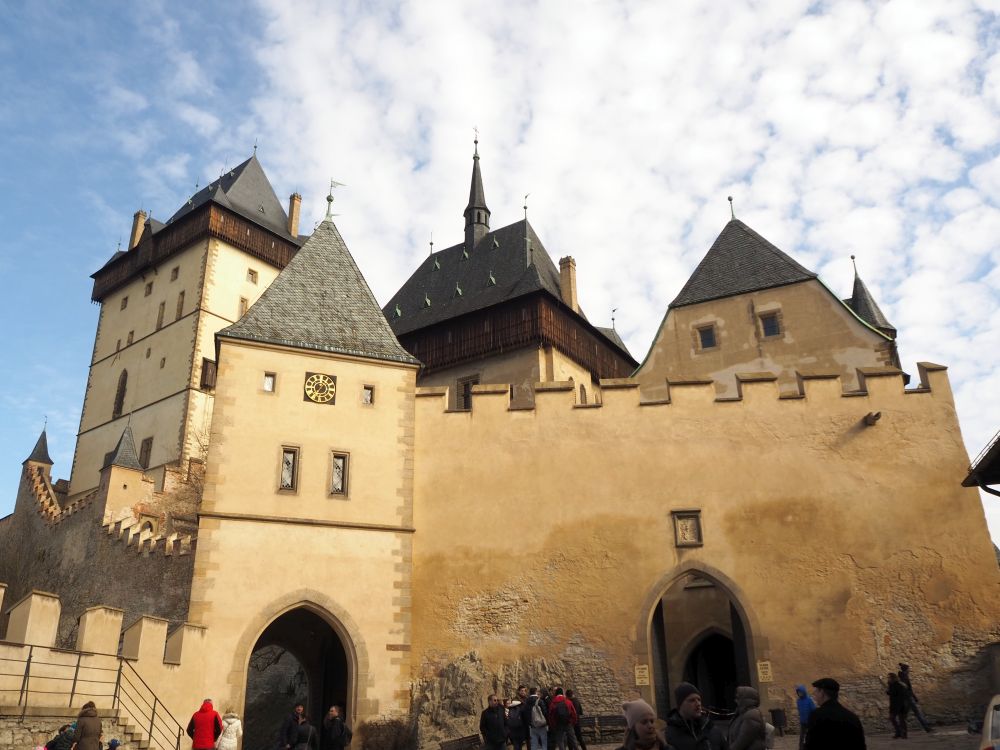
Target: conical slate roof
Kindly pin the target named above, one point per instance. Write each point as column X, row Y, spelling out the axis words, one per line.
column 245, row 190
column 739, row 261
column 863, row 303
column 124, row 453
column 477, row 195
column 40, row 453
column 321, row 301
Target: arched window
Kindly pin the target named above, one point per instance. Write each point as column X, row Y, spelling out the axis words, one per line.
column 583, row 394
column 120, row 394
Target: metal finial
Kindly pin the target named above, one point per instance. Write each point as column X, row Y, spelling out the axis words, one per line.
column 254, row 146
column 855, row 266
column 120, row 243
column 432, row 243
column 613, row 311
column 475, row 140
column 731, row 211
column 45, row 423
column 329, row 198
column 526, row 206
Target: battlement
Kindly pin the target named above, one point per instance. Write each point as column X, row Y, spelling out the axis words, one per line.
column 36, row 673
column 144, row 540
column 881, row 386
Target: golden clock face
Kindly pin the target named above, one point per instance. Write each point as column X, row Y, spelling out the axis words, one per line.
column 320, row 388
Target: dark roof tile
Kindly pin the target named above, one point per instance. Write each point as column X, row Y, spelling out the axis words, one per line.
column 124, row 453
column 40, row 453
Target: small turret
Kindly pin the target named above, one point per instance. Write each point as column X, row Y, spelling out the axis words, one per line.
column 477, row 215
column 124, row 454
column 864, row 305
column 40, row 453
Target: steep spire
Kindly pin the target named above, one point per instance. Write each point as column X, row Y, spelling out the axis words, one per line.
column 864, row 305
column 124, row 454
column 40, row 454
column 477, row 215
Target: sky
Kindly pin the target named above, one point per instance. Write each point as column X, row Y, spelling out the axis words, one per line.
column 839, row 128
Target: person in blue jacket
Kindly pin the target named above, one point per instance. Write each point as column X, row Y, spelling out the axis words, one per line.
column 806, row 705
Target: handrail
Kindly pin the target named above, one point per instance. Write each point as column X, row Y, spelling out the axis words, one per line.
column 984, row 451
column 131, row 695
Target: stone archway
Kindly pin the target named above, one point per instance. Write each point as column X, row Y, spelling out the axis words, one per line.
column 684, row 606
column 298, row 659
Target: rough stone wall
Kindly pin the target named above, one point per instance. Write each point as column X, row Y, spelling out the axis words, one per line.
column 79, row 561
column 34, row 731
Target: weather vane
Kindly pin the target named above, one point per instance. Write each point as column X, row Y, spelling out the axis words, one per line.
column 526, row 206
column 329, row 198
column 731, row 211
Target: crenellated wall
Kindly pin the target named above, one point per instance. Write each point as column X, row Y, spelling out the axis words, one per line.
column 547, row 533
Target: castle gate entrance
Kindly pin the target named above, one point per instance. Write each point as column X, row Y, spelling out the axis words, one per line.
column 699, row 634
column 299, row 658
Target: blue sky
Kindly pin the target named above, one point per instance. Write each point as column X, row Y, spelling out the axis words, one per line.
column 839, row 128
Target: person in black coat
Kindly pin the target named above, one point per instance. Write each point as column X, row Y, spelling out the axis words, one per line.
column 831, row 726
column 336, row 733
column 290, row 728
column 689, row 727
column 493, row 725
column 898, row 705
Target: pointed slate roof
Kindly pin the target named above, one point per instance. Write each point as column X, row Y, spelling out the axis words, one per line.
column 124, row 453
column 613, row 336
column 739, row 261
column 321, row 301
column 499, row 268
column 477, row 195
column 245, row 190
column 40, row 453
column 863, row 303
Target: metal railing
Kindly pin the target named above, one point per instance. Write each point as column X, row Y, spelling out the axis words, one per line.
column 983, row 452
column 121, row 686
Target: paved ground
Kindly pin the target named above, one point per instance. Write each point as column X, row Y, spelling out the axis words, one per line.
column 942, row 738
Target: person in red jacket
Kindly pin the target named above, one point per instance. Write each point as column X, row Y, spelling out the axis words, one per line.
column 205, row 727
column 562, row 717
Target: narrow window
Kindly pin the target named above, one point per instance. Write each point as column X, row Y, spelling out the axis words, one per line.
column 174, row 273
column 118, row 345
column 706, row 337
column 338, row 474
column 289, row 468
column 269, row 382
column 163, row 362
column 368, row 395
column 251, row 276
column 770, row 324
column 208, row 371
column 149, row 289
column 144, row 450
column 180, row 306
column 159, row 315
column 583, row 394
column 149, row 351
column 128, row 341
column 244, row 304
column 465, row 391
column 124, row 302
column 120, row 395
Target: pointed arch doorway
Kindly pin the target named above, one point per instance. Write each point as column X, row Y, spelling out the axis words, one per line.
column 699, row 632
column 298, row 658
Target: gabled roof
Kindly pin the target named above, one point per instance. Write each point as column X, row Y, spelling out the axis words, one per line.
column 321, row 301
column 739, row 261
column 245, row 190
column 124, row 453
column 501, row 267
column 863, row 303
column 40, row 453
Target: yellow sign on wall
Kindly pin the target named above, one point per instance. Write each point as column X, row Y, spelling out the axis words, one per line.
column 641, row 674
column 764, row 672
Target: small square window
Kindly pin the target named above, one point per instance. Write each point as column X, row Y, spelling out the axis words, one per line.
column 289, row 470
column 124, row 302
column 251, row 276
column 770, row 324
column 270, row 380
column 368, row 395
column 149, row 289
column 174, row 272
column 706, row 337
column 338, row 473
column 244, row 305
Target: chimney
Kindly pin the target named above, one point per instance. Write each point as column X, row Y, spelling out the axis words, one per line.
column 138, row 223
column 294, row 204
column 567, row 282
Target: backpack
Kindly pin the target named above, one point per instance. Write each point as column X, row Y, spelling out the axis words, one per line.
column 538, row 719
column 514, row 723
column 768, row 735
column 562, row 714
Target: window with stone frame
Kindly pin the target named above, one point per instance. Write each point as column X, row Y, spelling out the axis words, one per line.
column 368, row 395
column 149, row 289
column 770, row 324
column 269, row 383
column 124, row 302
column 251, row 276
column 706, row 337
column 120, row 395
column 244, row 306
column 288, row 470
column 180, row 305
column 159, row 315
column 174, row 273
column 208, row 373
column 339, row 467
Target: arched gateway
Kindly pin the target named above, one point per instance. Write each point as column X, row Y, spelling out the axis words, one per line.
column 303, row 655
column 697, row 629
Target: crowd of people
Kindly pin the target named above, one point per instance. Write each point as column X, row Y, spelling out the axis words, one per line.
column 536, row 720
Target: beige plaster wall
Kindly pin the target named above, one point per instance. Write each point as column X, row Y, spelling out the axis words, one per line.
column 817, row 333
column 846, row 547
column 521, row 369
column 347, row 559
